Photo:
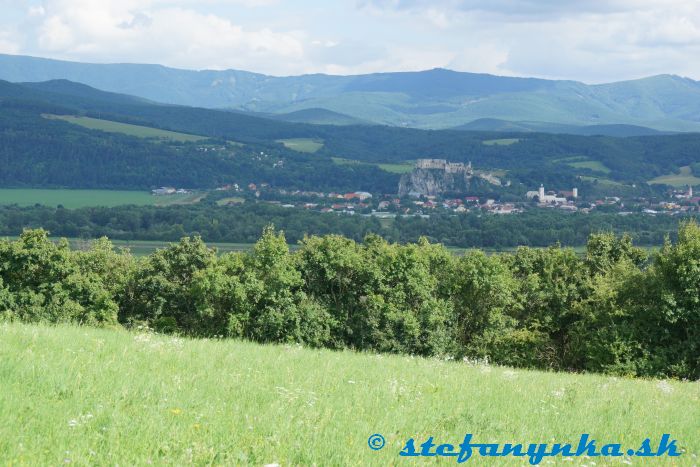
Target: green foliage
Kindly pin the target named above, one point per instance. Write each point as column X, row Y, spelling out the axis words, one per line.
column 613, row 310
column 41, row 281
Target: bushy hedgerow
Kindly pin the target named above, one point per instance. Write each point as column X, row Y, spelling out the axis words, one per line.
column 614, row 310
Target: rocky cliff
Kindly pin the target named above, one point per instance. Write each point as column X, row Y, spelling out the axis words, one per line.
column 433, row 182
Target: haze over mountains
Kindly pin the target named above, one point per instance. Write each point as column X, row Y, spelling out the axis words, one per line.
column 435, row 98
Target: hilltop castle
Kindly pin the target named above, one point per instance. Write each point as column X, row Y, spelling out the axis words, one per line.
column 447, row 167
column 431, row 177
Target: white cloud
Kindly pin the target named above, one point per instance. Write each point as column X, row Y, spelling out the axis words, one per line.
column 7, row 45
column 150, row 31
column 590, row 40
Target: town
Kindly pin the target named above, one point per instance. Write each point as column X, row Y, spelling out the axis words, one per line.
column 437, row 186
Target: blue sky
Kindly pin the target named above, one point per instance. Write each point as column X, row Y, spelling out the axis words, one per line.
column 586, row 40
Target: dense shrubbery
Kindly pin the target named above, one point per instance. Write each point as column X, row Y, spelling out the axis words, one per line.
column 615, row 310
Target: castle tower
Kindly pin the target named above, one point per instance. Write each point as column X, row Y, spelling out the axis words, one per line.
column 541, row 193
column 575, row 192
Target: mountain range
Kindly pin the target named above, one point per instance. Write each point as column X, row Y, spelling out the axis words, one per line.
column 432, row 99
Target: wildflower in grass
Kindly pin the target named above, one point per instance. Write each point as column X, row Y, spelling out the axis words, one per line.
column 176, row 411
column 558, row 393
column 80, row 420
column 665, row 387
column 509, row 374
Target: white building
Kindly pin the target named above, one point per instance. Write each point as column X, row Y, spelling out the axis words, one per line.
column 545, row 198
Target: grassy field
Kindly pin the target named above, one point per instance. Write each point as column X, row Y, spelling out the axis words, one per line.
column 581, row 162
column 681, row 179
column 302, row 144
column 500, row 142
column 397, row 168
column 126, row 128
column 105, row 397
column 71, row 199
column 401, row 168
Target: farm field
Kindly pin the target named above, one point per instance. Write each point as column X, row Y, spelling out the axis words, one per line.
column 302, row 144
column 126, row 128
column 105, row 396
column 71, row 199
column 500, row 142
column 681, row 179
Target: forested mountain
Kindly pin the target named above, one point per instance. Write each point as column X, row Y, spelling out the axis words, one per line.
column 427, row 99
column 30, row 143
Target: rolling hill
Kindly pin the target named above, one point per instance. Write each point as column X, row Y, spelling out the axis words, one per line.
column 535, row 158
column 436, row 98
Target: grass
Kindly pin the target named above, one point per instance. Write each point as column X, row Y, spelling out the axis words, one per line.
column 126, row 128
column 590, row 164
column 400, row 168
column 683, row 178
column 71, row 199
column 302, row 144
column 582, row 162
column 397, row 168
column 500, row 142
column 106, row 397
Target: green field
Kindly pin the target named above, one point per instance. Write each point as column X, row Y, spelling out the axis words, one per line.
column 71, row 199
column 397, row 168
column 401, row 168
column 580, row 162
column 500, row 142
column 126, row 128
column 683, row 178
column 82, row 396
column 302, row 144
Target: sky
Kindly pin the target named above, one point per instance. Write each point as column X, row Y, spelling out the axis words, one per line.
column 586, row 40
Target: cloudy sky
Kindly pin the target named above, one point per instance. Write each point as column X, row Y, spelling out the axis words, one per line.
column 586, row 40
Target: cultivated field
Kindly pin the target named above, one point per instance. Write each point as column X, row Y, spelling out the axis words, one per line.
column 127, row 128
column 681, row 179
column 71, row 199
column 302, row 144
column 83, row 396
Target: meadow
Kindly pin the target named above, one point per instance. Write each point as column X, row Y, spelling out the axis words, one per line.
column 139, row 131
column 683, row 178
column 72, row 199
column 500, row 142
column 307, row 145
column 72, row 395
column 398, row 168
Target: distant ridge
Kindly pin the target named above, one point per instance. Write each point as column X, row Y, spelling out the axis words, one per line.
column 318, row 117
column 620, row 130
column 430, row 99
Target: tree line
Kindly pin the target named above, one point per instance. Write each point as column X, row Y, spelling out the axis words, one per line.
column 615, row 310
column 242, row 224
